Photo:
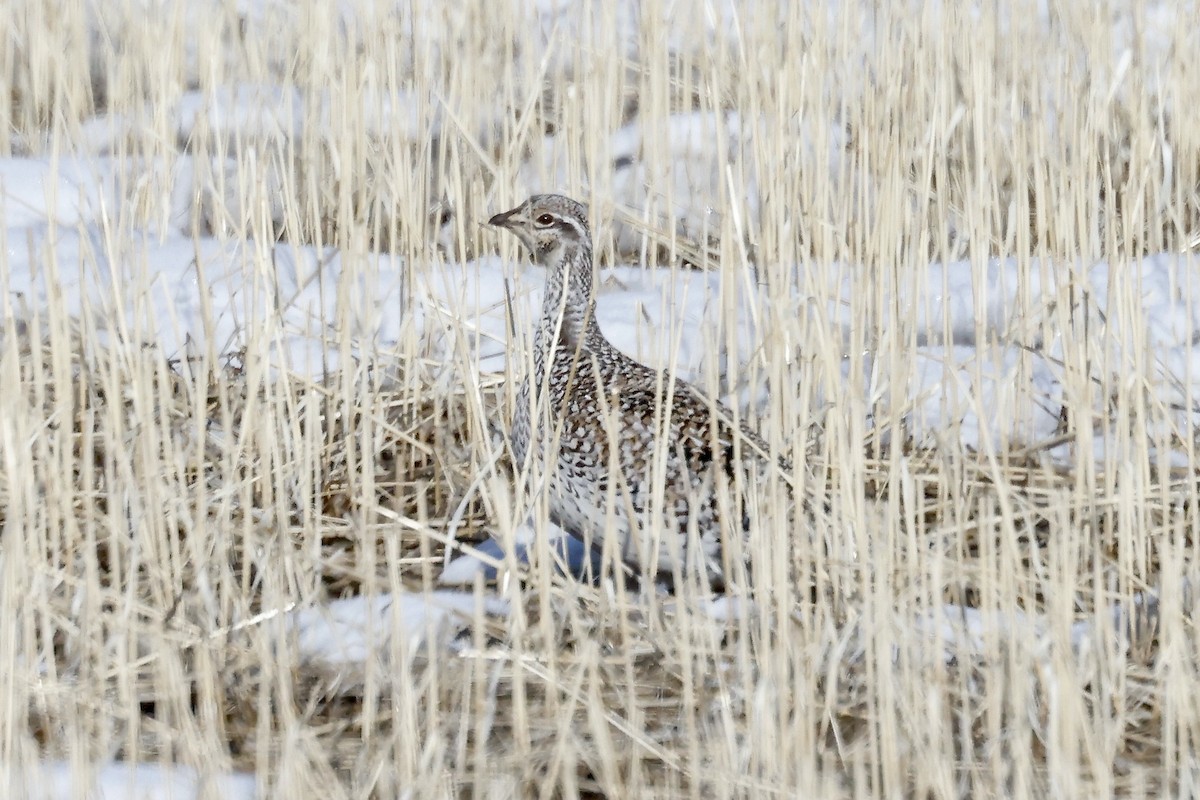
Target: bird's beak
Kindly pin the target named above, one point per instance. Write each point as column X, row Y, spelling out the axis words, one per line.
column 504, row 219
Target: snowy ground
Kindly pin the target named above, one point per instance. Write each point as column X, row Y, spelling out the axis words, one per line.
column 988, row 355
column 987, row 372
column 118, row 781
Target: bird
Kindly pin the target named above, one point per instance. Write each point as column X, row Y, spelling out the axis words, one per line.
column 619, row 443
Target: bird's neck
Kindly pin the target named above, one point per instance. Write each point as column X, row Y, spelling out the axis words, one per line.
column 568, row 306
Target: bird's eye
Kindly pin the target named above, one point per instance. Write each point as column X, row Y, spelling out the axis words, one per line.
column 545, row 219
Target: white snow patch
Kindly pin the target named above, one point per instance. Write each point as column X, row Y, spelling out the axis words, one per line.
column 959, row 632
column 988, row 399
column 241, row 111
column 52, row 780
column 986, row 372
column 349, row 633
column 39, row 192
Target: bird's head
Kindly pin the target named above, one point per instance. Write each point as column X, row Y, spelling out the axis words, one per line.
column 548, row 225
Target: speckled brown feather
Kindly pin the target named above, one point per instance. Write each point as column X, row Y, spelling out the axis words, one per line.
column 607, row 416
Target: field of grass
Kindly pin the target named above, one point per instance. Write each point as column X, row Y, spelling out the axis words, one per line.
column 929, row 619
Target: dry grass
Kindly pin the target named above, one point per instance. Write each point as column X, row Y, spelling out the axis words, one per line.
column 158, row 515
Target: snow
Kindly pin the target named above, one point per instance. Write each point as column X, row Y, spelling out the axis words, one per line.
column 346, row 635
column 245, row 111
column 52, row 780
column 982, row 375
column 993, row 396
column 959, row 632
column 35, row 192
column 985, row 373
